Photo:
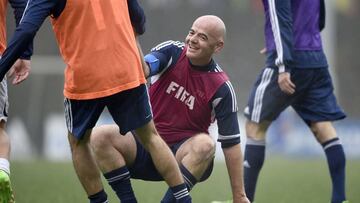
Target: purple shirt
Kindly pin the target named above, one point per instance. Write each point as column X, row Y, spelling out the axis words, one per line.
column 292, row 33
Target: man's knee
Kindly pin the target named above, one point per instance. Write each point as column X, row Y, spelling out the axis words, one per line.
column 3, row 130
column 323, row 131
column 73, row 141
column 204, row 146
column 256, row 131
column 100, row 138
column 2, row 124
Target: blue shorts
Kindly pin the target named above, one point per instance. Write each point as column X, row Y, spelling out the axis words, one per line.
column 130, row 110
column 143, row 168
column 313, row 99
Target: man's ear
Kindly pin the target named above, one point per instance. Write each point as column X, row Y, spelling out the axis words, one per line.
column 219, row 46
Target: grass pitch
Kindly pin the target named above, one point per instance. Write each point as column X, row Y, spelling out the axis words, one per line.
column 281, row 180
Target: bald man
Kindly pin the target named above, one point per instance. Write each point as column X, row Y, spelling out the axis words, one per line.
column 188, row 91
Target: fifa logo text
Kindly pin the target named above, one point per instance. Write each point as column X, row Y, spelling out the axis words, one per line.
column 181, row 94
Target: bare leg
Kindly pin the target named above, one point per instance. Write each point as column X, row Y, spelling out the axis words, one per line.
column 6, row 194
column 326, row 135
column 85, row 165
column 254, row 155
column 4, row 142
column 164, row 161
column 196, row 154
column 194, row 157
column 161, row 154
column 323, row 131
column 111, row 149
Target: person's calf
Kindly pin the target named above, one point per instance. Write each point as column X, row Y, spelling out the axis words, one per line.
column 253, row 162
column 336, row 161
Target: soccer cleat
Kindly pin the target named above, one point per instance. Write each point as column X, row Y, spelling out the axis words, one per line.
column 345, row 201
column 226, row 201
column 6, row 193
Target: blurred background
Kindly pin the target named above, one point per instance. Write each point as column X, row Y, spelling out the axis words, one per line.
column 36, row 119
column 41, row 155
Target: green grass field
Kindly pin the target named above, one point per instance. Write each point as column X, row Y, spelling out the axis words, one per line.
column 282, row 180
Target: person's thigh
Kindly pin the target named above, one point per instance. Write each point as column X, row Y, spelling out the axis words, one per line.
column 198, row 142
column 143, row 167
column 318, row 103
column 266, row 100
column 4, row 104
column 82, row 115
column 186, row 146
column 109, row 135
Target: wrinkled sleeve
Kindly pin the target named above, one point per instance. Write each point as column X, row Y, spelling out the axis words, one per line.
column 282, row 27
column 35, row 13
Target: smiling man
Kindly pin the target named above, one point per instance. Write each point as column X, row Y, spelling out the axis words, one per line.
column 188, row 91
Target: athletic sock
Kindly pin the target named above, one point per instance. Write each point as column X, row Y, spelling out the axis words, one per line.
column 100, row 197
column 5, row 165
column 253, row 162
column 336, row 161
column 119, row 180
column 181, row 193
column 190, row 181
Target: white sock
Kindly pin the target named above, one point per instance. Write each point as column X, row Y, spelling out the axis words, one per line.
column 5, row 165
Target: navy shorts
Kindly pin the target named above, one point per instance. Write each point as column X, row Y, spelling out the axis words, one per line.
column 130, row 110
column 313, row 99
column 143, row 168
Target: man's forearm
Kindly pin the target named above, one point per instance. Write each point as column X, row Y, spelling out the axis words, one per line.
column 234, row 159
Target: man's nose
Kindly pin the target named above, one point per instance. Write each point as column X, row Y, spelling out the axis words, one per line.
column 193, row 39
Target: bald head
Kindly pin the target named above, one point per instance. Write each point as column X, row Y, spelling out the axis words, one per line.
column 213, row 25
column 205, row 38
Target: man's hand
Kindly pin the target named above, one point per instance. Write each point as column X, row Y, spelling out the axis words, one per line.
column 285, row 83
column 234, row 164
column 20, row 71
column 263, row 51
